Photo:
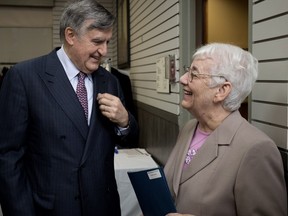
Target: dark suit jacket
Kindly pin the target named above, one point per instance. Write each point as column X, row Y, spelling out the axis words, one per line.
column 4, row 71
column 125, row 83
column 126, row 87
column 237, row 172
column 51, row 162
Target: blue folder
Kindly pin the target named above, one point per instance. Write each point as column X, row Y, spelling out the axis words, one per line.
column 152, row 192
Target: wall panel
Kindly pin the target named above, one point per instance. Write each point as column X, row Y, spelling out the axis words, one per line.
column 274, row 92
column 57, row 11
column 267, row 8
column 157, row 13
column 151, row 59
column 25, row 17
column 137, row 17
column 272, row 49
column 28, row 3
column 24, row 43
column 171, row 98
column 170, row 44
column 24, row 33
column 278, row 134
column 273, row 71
column 155, row 33
column 162, row 105
column 270, row 46
column 270, row 113
column 166, row 35
column 154, row 28
column 277, row 28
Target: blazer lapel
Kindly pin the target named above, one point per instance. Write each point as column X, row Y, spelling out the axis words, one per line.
column 201, row 160
column 221, row 136
column 60, row 87
column 99, row 86
column 183, row 143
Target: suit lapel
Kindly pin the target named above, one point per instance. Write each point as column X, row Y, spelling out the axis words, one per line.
column 221, row 136
column 201, row 160
column 60, row 87
column 95, row 129
column 183, row 143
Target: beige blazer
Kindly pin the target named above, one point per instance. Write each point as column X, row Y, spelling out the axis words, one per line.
column 237, row 171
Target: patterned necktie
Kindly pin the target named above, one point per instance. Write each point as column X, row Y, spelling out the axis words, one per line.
column 82, row 92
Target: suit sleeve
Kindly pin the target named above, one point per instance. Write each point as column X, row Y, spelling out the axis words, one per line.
column 129, row 139
column 15, row 192
column 260, row 186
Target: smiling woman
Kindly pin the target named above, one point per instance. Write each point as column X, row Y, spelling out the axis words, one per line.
column 216, row 158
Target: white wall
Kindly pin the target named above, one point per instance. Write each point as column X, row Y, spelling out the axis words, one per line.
column 270, row 46
column 24, row 33
column 154, row 27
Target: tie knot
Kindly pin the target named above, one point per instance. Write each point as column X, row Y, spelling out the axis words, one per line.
column 81, row 75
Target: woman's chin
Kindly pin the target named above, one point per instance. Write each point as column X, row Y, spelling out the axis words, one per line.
column 184, row 104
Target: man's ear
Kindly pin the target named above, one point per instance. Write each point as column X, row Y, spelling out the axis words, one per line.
column 70, row 35
column 223, row 92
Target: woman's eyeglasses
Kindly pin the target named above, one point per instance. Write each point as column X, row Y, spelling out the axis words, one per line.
column 192, row 75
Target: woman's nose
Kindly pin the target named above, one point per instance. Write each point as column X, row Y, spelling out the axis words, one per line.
column 184, row 79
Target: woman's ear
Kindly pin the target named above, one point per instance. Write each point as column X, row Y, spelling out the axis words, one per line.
column 223, row 92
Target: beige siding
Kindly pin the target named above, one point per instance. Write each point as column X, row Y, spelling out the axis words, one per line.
column 24, row 33
column 278, row 134
column 267, row 8
column 270, row 46
column 57, row 11
column 154, row 28
column 271, row 28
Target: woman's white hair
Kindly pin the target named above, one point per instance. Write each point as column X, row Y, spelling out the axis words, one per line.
column 235, row 65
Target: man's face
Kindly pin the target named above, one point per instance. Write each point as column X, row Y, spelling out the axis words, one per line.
column 87, row 49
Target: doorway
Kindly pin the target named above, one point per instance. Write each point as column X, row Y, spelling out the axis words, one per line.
column 225, row 21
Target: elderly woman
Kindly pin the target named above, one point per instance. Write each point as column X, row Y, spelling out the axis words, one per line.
column 221, row 165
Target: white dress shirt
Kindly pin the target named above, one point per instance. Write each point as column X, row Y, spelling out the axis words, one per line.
column 72, row 72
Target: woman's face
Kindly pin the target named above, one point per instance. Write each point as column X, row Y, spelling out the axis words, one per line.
column 87, row 49
column 198, row 97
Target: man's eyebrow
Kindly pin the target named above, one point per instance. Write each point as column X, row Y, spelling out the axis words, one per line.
column 98, row 39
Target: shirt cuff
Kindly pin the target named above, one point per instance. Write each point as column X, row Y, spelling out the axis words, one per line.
column 122, row 131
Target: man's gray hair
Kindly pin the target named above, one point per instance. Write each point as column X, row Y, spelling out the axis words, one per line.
column 78, row 11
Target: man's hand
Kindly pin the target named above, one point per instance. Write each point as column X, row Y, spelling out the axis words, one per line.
column 177, row 214
column 112, row 107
